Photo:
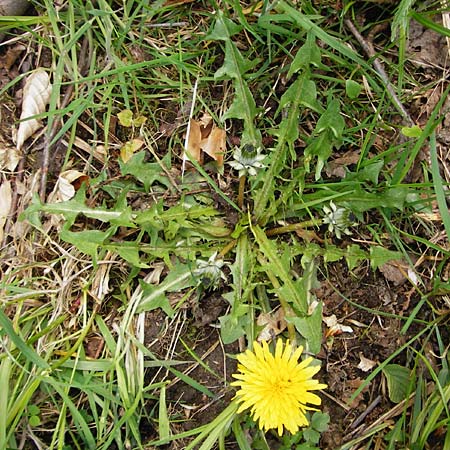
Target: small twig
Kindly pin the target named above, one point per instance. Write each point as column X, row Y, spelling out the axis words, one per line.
column 188, row 131
column 370, row 52
column 343, row 405
column 365, row 413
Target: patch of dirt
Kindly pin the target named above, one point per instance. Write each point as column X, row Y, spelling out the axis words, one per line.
column 188, row 407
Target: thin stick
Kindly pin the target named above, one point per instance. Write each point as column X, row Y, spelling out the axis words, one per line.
column 370, row 52
column 188, row 131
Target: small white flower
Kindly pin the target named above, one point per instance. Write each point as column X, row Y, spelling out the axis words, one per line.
column 338, row 220
column 209, row 272
column 247, row 160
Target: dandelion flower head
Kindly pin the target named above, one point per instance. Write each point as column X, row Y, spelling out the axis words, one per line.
column 276, row 388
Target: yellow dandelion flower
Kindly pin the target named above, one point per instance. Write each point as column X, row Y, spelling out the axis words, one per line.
column 277, row 387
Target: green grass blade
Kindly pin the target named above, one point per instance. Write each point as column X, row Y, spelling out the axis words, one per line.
column 439, row 185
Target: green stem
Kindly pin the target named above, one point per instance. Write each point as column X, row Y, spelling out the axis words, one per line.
column 240, row 200
column 294, row 227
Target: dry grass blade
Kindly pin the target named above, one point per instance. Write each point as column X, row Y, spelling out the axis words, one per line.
column 5, row 204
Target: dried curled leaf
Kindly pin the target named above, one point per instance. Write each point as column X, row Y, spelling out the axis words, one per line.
column 36, row 95
column 204, row 136
column 68, row 183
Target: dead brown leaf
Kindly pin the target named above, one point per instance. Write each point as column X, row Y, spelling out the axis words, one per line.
column 274, row 323
column 336, row 168
column 36, row 95
column 215, row 144
column 204, row 136
column 398, row 272
column 334, row 327
column 365, row 364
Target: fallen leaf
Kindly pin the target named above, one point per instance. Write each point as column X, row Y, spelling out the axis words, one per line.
column 334, row 327
column 273, row 323
column 398, row 272
column 5, row 205
column 206, row 124
column 215, row 145
column 36, row 95
column 68, row 183
column 337, row 167
column 194, row 139
column 365, row 364
column 9, row 158
column 204, row 136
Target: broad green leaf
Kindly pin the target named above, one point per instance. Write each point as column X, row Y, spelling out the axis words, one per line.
column 331, row 119
column 310, row 327
column 241, row 266
column 308, row 53
column 304, row 22
column 34, row 421
column 398, row 381
column 130, row 254
column 130, row 148
column 87, row 241
column 320, row 147
column 352, row 89
column 223, row 28
column 235, row 66
column 311, row 435
column 232, row 327
column 361, row 200
column 244, row 108
column 34, row 410
column 380, row 255
column 75, row 206
column 354, row 255
column 332, row 253
column 290, row 289
column 147, row 173
column 412, row 132
column 320, row 421
column 286, row 134
column 370, row 172
column 154, row 296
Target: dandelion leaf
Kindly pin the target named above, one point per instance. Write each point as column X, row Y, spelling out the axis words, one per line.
column 310, row 327
column 308, row 53
column 87, row 241
column 235, row 66
column 223, row 28
column 380, row 255
column 327, row 135
column 146, row 173
column 331, row 119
